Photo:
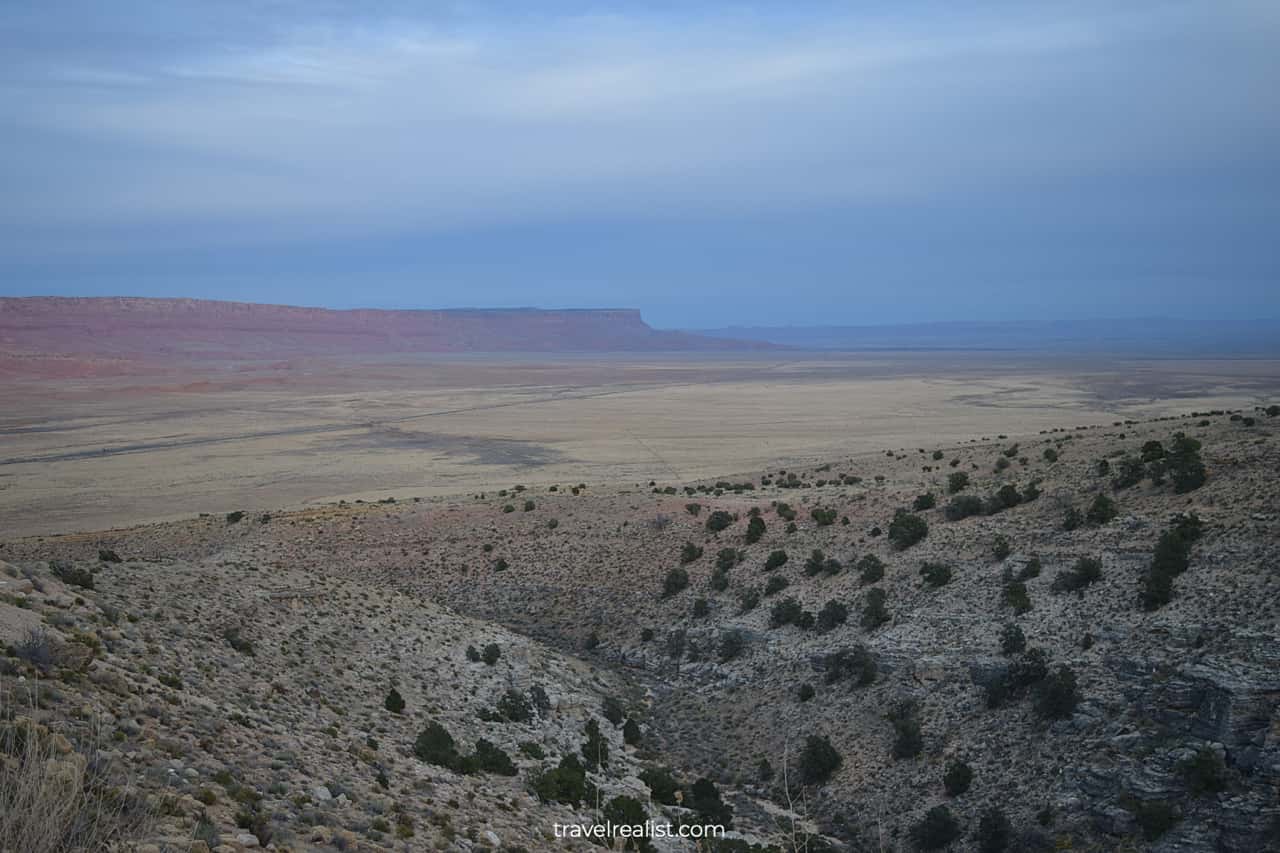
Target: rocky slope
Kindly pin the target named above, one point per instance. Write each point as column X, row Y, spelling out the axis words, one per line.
column 1106, row 721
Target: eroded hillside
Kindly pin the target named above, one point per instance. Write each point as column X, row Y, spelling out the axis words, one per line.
column 1074, row 644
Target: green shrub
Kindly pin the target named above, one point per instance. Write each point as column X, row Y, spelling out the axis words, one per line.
column 72, row 575
column 749, row 600
column 235, row 517
column 488, row 758
column 994, row 831
column 704, row 799
column 595, row 749
column 870, row 569
column 631, row 732
column 823, row 517
column 513, row 706
column 1072, row 519
column 662, row 785
column 1204, row 773
column 1050, row 455
column 719, row 520
column 1012, row 640
column 1084, row 573
column 755, row 529
column 1102, row 510
column 628, row 811
column 874, row 613
column 923, row 502
column 435, row 745
column 906, row 529
column 689, row 553
column 693, row 509
column 1015, row 596
column 957, row 779
column 732, row 644
column 1007, row 497
column 612, row 711
column 1154, row 818
column 775, row 584
column 962, row 507
column 832, row 615
column 935, row 574
column 856, row 663
column 237, row 642
column 675, row 581
column 938, row 829
column 394, row 701
column 818, row 760
column 1058, row 695
column 700, row 607
column 1185, row 466
column 804, row 692
column 491, row 654
column 785, row 612
column 566, row 784
column 908, row 740
column 776, row 559
column 819, row 563
column 1000, row 547
column 1128, row 474
column 957, row 481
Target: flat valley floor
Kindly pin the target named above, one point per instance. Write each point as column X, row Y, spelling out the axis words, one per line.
column 168, row 442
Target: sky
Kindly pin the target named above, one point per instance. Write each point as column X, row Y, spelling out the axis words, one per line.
column 710, row 163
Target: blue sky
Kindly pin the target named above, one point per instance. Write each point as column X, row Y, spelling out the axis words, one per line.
column 709, row 163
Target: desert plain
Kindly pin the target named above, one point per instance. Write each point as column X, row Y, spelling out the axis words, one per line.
column 88, row 453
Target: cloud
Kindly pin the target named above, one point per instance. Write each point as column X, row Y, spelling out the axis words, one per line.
column 361, row 124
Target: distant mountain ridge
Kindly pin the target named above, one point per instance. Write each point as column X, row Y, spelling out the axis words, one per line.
column 146, row 329
column 1154, row 335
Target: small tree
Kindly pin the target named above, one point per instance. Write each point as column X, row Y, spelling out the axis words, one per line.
column 491, row 654
column 394, row 701
column 595, row 749
column 755, row 529
column 775, row 560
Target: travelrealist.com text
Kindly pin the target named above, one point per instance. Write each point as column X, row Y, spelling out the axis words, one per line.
column 648, row 829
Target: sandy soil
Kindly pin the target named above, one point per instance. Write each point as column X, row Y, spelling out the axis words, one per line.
column 88, row 454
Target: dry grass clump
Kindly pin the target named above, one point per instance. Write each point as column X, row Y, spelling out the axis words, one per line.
column 55, row 798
